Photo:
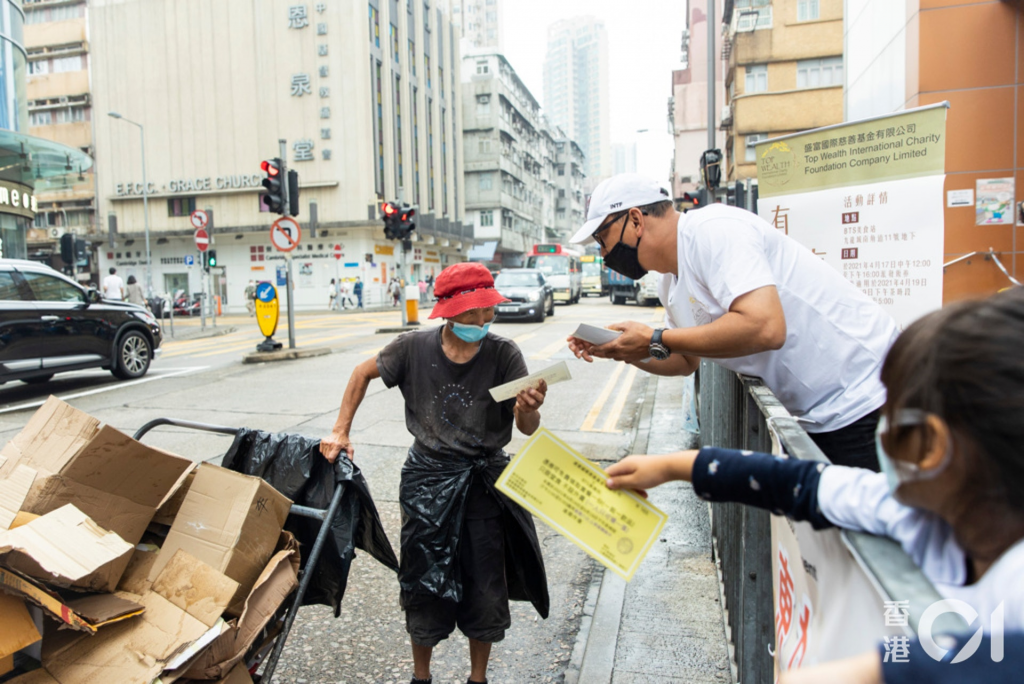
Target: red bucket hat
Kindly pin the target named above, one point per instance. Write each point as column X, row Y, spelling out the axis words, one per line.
column 462, row 287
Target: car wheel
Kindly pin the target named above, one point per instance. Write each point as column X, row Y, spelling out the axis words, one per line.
column 134, row 354
column 540, row 315
column 38, row 380
column 551, row 306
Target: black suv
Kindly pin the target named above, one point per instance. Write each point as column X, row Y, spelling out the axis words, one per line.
column 50, row 324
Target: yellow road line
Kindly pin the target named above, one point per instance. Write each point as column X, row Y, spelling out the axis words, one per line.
column 548, row 351
column 523, row 338
column 620, row 401
column 595, row 410
column 371, row 352
column 659, row 314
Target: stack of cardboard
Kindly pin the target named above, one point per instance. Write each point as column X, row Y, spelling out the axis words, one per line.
column 123, row 563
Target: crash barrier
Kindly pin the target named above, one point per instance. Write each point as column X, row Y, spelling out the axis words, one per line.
column 838, row 593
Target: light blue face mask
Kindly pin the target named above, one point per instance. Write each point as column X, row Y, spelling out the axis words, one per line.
column 470, row 333
column 900, row 472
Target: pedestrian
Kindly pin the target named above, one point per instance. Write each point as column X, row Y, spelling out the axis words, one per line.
column 396, row 292
column 466, row 548
column 357, row 289
column 951, row 446
column 134, row 292
column 343, row 296
column 751, row 299
column 113, row 286
column 430, row 287
column 332, row 296
column 250, row 298
column 422, row 285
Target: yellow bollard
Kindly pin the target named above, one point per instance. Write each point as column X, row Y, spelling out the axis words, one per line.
column 412, row 311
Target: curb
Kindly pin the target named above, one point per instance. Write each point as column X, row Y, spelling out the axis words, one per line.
column 203, row 334
column 285, row 355
column 593, row 655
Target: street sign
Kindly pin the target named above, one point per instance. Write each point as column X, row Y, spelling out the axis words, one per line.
column 202, row 239
column 199, row 218
column 267, row 308
column 190, row 260
column 285, row 234
column 337, row 252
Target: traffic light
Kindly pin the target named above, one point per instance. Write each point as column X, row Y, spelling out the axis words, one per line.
column 67, row 248
column 293, row 192
column 690, row 201
column 391, row 220
column 273, row 200
column 711, row 168
column 406, row 225
column 211, row 259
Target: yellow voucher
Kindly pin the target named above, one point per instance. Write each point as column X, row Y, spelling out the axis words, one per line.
column 567, row 491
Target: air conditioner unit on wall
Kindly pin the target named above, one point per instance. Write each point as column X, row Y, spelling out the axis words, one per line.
column 727, row 116
column 63, row 99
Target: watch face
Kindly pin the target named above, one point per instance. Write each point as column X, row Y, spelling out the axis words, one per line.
column 659, row 352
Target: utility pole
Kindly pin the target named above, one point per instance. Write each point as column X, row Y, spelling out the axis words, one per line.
column 711, row 74
column 283, row 151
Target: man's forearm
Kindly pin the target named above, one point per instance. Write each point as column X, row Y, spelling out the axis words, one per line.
column 527, row 421
column 730, row 336
column 355, row 391
column 673, row 366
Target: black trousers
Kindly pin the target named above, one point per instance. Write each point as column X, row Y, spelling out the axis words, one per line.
column 853, row 445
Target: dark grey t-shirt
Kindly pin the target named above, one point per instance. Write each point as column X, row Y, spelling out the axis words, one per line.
column 447, row 405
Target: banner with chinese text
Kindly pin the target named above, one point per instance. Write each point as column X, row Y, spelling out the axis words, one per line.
column 867, row 198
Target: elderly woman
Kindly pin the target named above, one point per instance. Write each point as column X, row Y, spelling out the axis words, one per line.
column 466, row 548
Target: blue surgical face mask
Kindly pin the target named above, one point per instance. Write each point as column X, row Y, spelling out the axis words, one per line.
column 900, row 472
column 470, row 333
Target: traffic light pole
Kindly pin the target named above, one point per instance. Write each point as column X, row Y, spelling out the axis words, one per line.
column 401, row 281
column 283, row 143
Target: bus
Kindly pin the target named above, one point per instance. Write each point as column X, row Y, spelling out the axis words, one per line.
column 561, row 267
column 593, row 280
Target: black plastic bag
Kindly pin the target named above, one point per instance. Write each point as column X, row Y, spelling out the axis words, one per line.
column 294, row 466
column 433, row 498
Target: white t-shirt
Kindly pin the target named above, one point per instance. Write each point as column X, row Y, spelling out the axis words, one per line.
column 827, row 372
column 857, row 499
column 113, row 287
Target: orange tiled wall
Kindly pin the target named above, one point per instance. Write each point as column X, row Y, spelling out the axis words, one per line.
column 972, row 54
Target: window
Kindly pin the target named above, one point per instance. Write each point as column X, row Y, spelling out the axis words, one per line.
column 70, row 114
column 181, row 206
column 807, row 10
column 8, row 288
column 49, row 289
column 486, row 218
column 256, row 253
column 40, row 118
column 394, row 42
column 481, row 67
column 41, row 66
column 484, row 146
column 374, row 26
column 483, row 106
column 753, row 15
column 752, row 141
column 412, row 55
column 756, row 80
column 819, row 73
column 486, row 181
column 73, row 63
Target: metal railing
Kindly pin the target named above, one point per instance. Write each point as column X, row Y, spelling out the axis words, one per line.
column 990, row 254
column 739, row 412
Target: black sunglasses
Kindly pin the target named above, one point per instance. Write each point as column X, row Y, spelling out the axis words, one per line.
column 608, row 225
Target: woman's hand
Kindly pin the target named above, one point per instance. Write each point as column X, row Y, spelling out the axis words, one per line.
column 531, row 398
column 331, row 446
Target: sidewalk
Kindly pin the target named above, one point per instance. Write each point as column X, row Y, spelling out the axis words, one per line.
column 666, row 625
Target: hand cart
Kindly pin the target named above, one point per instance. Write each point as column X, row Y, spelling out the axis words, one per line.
column 305, row 575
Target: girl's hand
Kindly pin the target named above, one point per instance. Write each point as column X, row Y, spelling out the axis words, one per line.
column 643, row 472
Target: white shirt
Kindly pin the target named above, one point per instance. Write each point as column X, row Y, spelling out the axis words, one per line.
column 113, row 287
column 857, row 499
column 827, row 372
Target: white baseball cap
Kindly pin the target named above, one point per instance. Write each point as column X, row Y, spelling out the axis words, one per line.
column 615, row 194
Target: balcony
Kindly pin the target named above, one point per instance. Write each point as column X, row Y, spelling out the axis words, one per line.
column 48, row 86
column 76, row 134
column 55, row 33
column 791, row 110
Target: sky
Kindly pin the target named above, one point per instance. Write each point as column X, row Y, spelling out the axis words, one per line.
column 644, row 39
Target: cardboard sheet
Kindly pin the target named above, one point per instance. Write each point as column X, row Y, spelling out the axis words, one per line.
column 229, row 521
column 17, row 629
column 112, row 478
column 65, row 548
column 195, row 587
column 13, row 492
column 18, row 585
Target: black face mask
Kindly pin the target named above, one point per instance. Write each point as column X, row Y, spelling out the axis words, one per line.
column 625, row 259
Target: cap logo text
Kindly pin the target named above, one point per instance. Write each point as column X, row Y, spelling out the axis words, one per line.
column 616, row 205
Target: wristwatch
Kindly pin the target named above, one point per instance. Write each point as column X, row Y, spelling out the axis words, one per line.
column 658, row 350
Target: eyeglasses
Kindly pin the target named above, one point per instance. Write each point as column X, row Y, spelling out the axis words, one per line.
column 608, row 225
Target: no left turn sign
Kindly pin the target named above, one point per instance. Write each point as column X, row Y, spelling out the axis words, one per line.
column 199, row 218
column 285, row 234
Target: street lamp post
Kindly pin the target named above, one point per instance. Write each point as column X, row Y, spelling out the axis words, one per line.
column 145, row 201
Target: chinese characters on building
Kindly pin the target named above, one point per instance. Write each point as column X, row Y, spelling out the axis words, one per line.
column 302, row 83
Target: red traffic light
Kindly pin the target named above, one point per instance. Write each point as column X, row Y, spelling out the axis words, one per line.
column 388, row 208
column 270, row 168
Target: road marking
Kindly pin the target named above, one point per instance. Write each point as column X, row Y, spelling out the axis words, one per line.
column 659, row 314
column 113, row 386
column 523, row 338
column 550, row 350
column 620, row 401
column 372, row 352
column 595, row 410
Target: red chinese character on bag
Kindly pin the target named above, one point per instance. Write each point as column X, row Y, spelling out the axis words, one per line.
column 801, row 645
column 784, row 616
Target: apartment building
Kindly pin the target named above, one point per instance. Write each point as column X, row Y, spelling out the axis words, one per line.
column 480, row 22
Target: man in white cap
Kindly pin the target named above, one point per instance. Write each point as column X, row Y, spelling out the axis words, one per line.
column 746, row 296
